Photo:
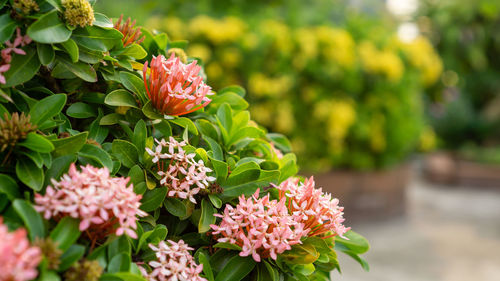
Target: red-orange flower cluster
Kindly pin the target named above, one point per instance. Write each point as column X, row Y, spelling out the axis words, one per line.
column 175, row 88
column 130, row 34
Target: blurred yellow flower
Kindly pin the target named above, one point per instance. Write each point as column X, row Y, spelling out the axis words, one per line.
column 339, row 116
column 384, row 62
column 428, row 139
column 422, row 55
column 336, row 45
column 285, row 121
column 200, row 51
column 260, row 85
column 229, row 29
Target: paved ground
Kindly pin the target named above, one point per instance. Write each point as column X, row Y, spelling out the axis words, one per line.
column 448, row 234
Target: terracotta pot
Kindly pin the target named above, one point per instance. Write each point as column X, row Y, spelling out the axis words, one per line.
column 368, row 195
column 447, row 168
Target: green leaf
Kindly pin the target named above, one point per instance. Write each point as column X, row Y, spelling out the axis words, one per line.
column 97, row 38
column 47, row 108
column 234, row 100
column 97, row 154
column 59, row 166
column 150, row 112
column 56, row 4
column 207, row 216
column 175, row 207
column 119, row 263
column 102, row 20
column 153, row 198
column 110, row 119
column 301, row 254
column 48, row 275
column 243, row 173
column 80, row 69
column 207, row 269
column 216, row 149
column 124, row 276
column 69, row 145
column 236, row 269
column 49, row 29
column 140, row 135
column 215, row 200
column 120, row 97
column 119, row 245
column 81, row 110
column 7, row 27
column 31, row 218
column 281, row 142
column 225, row 117
column 37, row 143
column 22, row 68
column 206, row 128
column 162, row 40
column 29, row 174
column 66, row 233
column 135, row 51
column 164, row 128
column 354, row 242
column 46, row 53
column 240, row 91
column 134, row 84
column 229, row 246
column 8, row 186
column 72, row 49
column 185, row 122
column 126, row 152
column 68, row 258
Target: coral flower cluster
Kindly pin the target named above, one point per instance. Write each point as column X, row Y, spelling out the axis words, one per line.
column 175, row 88
column 131, row 35
column 101, row 202
column 174, row 262
column 179, row 171
column 318, row 211
column 12, row 47
column 18, row 260
column 261, row 227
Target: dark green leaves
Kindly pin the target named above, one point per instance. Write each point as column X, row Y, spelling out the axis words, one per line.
column 81, row 110
column 96, row 38
column 37, row 143
column 69, row 145
column 207, row 216
column 31, row 218
column 79, row 69
column 49, row 29
column 29, row 174
column 66, row 233
column 7, row 27
column 22, row 67
column 46, row 53
column 47, row 108
column 126, row 152
column 134, row 84
column 236, row 269
column 8, row 186
column 153, row 199
column 120, row 97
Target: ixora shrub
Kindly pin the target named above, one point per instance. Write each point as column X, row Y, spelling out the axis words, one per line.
column 120, row 163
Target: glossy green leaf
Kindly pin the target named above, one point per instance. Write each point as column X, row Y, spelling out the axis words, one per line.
column 140, row 135
column 216, row 149
column 123, row 276
column 236, row 269
column 31, row 218
column 110, row 119
column 70, row 256
column 97, row 154
column 207, row 269
column 120, row 97
column 216, row 201
column 59, row 166
column 72, row 49
column 102, row 20
column 66, row 233
column 7, row 27
column 126, row 152
column 37, row 143
column 79, row 69
column 47, row 108
column 185, row 123
column 135, row 51
column 354, row 242
column 97, row 38
column 49, row 29
column 22, row 68
column 119, row 263
column 175, row 207
column 134, row 84
column 8, row 186
column 226, row 245
column 69, row 145
column 150, row 112
column 153, row 199
column 207, row 216
column 234, row 100
column 46, row 53
column 29, row 174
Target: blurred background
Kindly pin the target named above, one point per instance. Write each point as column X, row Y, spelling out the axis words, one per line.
column 393, row 105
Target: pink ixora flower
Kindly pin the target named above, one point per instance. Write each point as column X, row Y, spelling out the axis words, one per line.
column 175, row 88
column 179, row 171
column 318, row 211
column 263, row 228
column 104, row 204
column 173, row 263
column 18, row 260
column 12, row 47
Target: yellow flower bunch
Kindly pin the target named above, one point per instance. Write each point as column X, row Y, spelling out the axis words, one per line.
column 229, row 29
column 78, row 12
column 339, row 116
column 279, row 33
column 261, row 85
column 422, row 55
column 336, row 45
column 384, row 62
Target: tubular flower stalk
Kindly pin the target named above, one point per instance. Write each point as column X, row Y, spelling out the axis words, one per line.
column 131, row 35
column 78, row 12
column 318, row 211
column 175, row 88
column 18, row 260
column 104, row 204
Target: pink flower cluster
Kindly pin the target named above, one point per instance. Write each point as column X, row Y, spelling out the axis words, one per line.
column 6, row 53
column 100, row 201
column 174, row 262
column 318, row 211
column 175, row 88
column 18, row 260
column 183, row 176
column 261, row 227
